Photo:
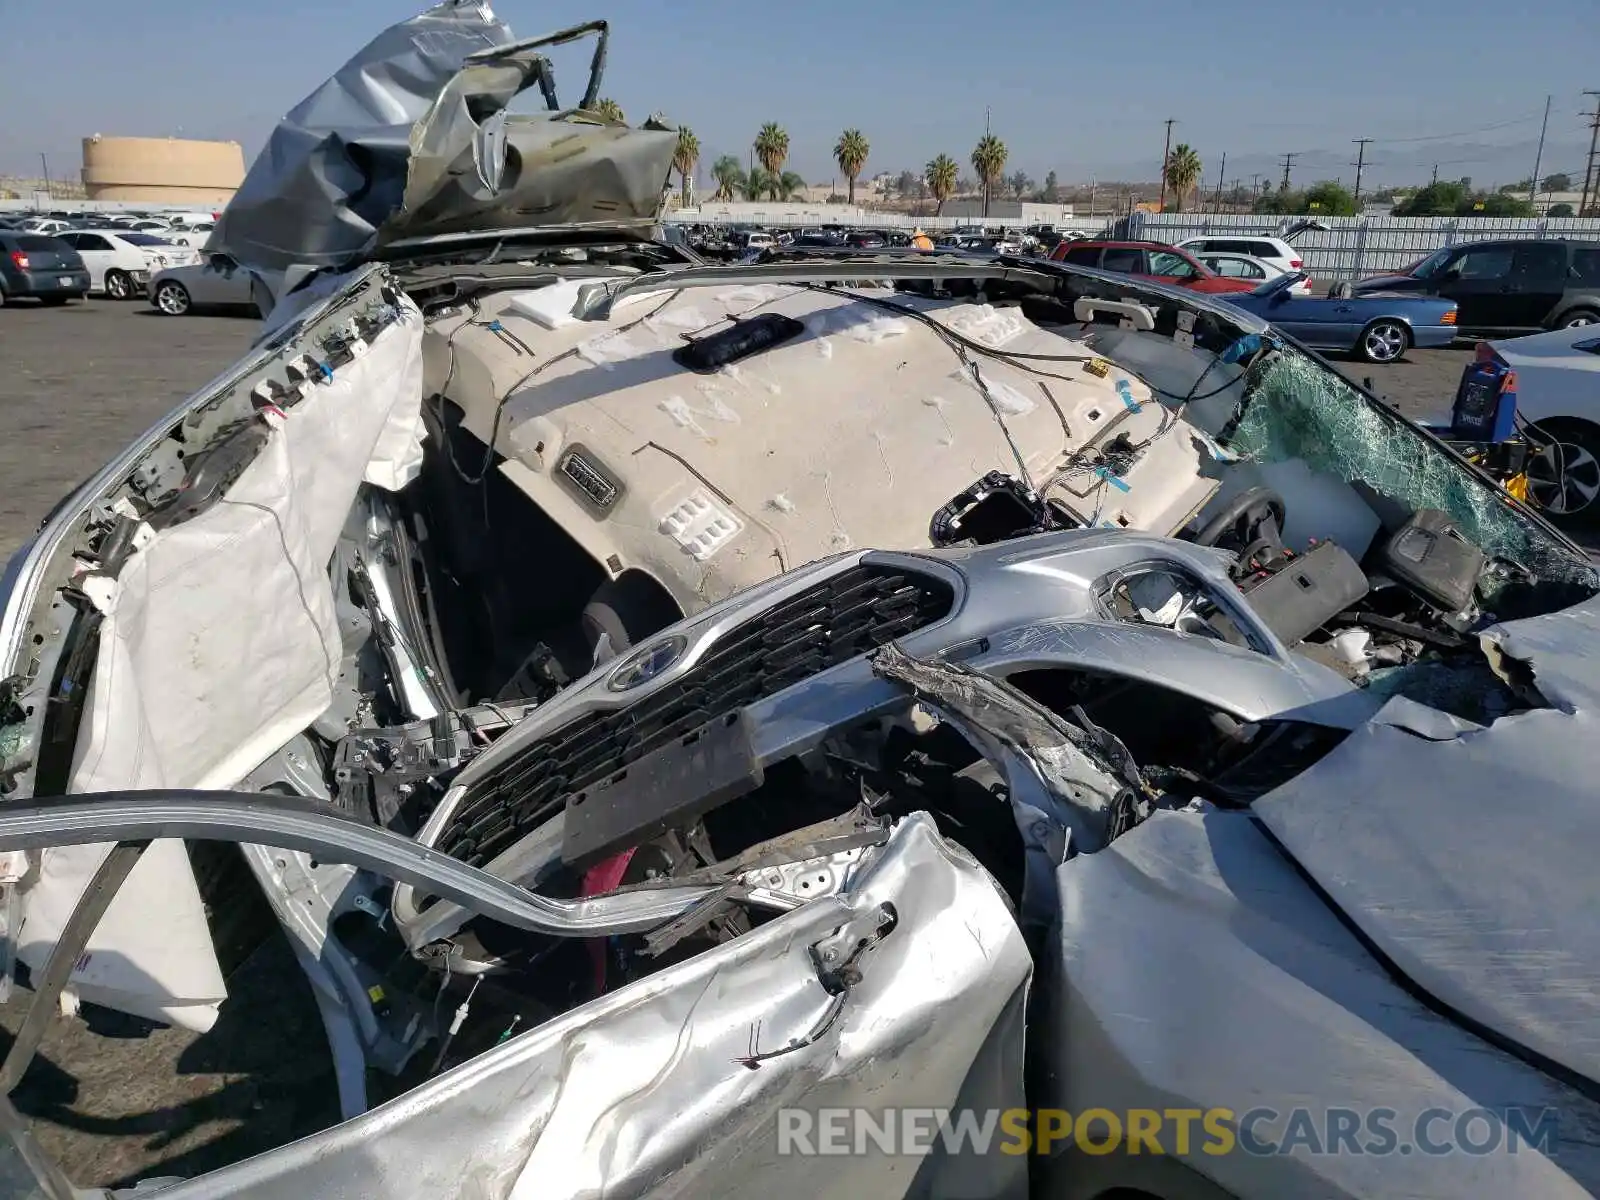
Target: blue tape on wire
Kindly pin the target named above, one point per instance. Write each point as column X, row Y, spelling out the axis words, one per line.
column 1125, row 390
column 1248, row 344
column 1119, row 484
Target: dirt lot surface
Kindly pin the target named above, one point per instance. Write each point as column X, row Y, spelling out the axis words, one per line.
column 77, row 385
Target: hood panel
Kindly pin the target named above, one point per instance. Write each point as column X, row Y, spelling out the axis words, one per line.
column 474, row 166
column 1469, row 862
column 410, row 138
column 335, row 167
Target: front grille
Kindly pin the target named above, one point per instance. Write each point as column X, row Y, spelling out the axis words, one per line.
column 832, row 622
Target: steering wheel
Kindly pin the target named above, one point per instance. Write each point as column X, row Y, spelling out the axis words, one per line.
column 1251, row 523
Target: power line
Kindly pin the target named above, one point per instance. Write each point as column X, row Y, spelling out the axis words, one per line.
column 1439, row 137
column 1288, row 161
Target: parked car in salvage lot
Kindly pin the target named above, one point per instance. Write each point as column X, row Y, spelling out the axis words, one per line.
column 192, row 234
column 43, row 267
column 1379, row 328
column 658, row 700
column 218, row 282
column 1557, row 386
column 120, row 262
column 1507, row 287
column 1274, row 250
column 1256, row 270
column 1149, row 260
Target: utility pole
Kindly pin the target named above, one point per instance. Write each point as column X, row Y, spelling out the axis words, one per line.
column 1538, row 155
column 1361, row 161
column 1255, row 187
column 1166, row 152
column 1435, row 172
column 1288, row 161
column 1588, row 167
column 1221, row 172
column 1091, row 195
column 45, row 163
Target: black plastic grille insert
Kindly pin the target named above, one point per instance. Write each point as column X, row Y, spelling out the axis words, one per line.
column 831, row 622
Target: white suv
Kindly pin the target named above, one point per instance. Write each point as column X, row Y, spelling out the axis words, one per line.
column 1268, row 249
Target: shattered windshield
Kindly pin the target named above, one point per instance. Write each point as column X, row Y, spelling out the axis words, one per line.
column 1297, row 408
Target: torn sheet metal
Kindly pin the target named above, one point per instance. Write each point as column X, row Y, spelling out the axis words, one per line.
column 672, row 1086
column 334, row 169
column 1469, row 861
column 470, row 171
column 1084, row 779
column 410, row 138
column 1196, row 970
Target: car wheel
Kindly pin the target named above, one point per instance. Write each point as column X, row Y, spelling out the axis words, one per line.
column 1564, row 470
column 1384, row 341
column 119, row 285
column 172, row 298
column 1579, row 317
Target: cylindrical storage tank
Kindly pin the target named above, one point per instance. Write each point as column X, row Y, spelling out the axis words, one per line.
column 161, row 170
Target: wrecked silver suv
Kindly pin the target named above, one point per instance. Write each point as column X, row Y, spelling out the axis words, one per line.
column 657, row 700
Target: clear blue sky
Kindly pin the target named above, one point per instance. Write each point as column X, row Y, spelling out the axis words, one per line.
column 1081, row 89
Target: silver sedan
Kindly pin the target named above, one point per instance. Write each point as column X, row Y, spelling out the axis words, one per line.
column 218, row 282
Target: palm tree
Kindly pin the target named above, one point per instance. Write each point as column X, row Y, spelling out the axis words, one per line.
column 851, row 155
column 989, row 161
column 787, row 186
column 609, row 109
column 772, row 147
column 729, row 176
column 1183, row 171
column 685, row 158
column 759, row 184
column 940, row 175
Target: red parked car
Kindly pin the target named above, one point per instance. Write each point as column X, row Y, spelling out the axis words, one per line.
column 1150, row 260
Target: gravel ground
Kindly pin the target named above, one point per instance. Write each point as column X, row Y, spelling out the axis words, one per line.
column 77, row 385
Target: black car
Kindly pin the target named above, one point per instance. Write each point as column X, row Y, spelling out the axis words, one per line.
column 32, row 264
column 1507, row 287
column 817, row 239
